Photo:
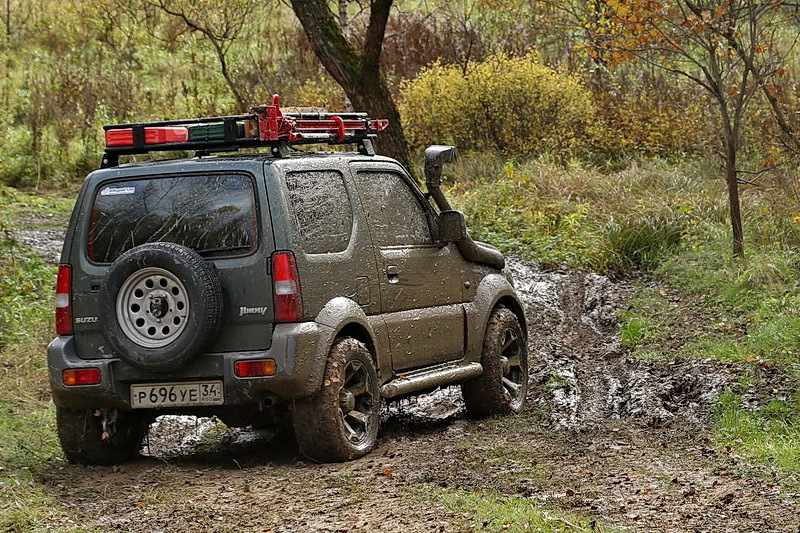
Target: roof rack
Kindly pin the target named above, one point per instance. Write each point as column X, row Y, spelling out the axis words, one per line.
column 266, row 126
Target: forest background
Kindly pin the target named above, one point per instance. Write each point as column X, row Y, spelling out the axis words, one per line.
column 589, row 140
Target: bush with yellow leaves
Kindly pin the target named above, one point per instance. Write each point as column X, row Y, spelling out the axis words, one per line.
column 512, row 105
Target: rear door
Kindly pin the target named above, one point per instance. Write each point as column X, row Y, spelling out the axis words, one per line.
column 216, row 213
column 420, row 281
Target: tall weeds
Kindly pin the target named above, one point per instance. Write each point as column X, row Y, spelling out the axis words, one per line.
column 632, row 218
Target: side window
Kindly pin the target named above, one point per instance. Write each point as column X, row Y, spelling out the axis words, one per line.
column 395, row 214
column 322, row 209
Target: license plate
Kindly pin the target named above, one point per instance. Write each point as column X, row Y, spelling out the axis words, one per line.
column 176, row 394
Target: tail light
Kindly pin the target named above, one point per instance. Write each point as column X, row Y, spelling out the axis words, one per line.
column 286, row 296
column 80, row 376
column 255, row 368
column 64, row 300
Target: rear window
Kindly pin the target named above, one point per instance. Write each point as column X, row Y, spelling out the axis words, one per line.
column 215, row 215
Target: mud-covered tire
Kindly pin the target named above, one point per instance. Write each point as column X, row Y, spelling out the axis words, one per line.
column 340, row 422
column 160, row 305
column 503, row 385
column 80, row 432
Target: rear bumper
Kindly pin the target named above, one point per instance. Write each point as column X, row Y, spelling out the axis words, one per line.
column 295, row 349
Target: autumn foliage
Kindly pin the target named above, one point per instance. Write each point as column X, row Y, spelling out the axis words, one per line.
column 512, row 105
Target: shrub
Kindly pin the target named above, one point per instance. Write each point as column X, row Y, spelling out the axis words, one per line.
column 515, row 106
column 643, row 242
column 652, row 114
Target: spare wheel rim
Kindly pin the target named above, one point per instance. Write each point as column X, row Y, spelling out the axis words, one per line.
column 152, row 307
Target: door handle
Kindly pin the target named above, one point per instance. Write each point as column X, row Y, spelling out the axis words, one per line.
column 393, row 273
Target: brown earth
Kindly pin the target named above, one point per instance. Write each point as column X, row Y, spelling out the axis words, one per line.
column 623, row 443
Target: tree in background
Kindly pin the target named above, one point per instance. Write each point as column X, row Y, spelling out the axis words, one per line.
column 357, row 71
column 730, row 48
column 221, row 23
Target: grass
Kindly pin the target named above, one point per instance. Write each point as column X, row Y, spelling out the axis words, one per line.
column 583, row 217
column 492, row 512
column 28, row 444
column 725, row 310
column 48, row 208
column 767, row 436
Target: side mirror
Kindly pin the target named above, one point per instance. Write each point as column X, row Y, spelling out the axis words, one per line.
column 452, row 226
column 435, row 158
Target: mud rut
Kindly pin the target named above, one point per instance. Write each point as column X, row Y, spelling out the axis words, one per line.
column 620, row 441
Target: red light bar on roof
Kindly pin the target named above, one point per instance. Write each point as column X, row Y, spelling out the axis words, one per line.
column 156, row 135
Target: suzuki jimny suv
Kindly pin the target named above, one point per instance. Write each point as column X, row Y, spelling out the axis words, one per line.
column 279, row 284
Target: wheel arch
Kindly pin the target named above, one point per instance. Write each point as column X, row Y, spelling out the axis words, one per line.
column 515, row 306
column 346, row 318
column 359, row 332
column 493, row 290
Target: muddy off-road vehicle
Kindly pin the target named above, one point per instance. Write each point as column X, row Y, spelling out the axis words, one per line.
column 281, row 285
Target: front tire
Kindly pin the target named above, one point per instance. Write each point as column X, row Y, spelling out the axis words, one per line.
column 503, row 385
column 340, row 422
column 80, row 432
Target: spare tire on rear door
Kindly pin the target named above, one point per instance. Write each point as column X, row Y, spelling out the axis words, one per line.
column 160, row 305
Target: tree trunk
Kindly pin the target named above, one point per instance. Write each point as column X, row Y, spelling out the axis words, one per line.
column 731, row 178
column 358, row 72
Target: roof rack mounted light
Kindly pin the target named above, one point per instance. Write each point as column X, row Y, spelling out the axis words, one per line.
column 267, row 126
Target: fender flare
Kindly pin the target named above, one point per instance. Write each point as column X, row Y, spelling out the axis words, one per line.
column 340, row 316
column 493, row 290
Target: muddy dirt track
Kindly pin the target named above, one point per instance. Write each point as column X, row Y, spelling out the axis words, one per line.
column 620, row 442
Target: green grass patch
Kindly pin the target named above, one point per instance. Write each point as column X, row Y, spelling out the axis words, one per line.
column 492, row 512
column 769, row 435
column 28, row 443
column 728, row 310
column 26, row 506
column 35, row 208
column 582, row 216
column 635, row 330
column 28, row 450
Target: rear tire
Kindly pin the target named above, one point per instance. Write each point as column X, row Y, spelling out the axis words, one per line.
column 503, row 385
column 340, row 422
column 81, row 434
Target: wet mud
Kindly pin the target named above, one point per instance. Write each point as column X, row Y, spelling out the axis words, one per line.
column 47, row 243
column 583, row 374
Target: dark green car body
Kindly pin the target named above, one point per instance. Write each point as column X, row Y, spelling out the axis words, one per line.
column 375, row 263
